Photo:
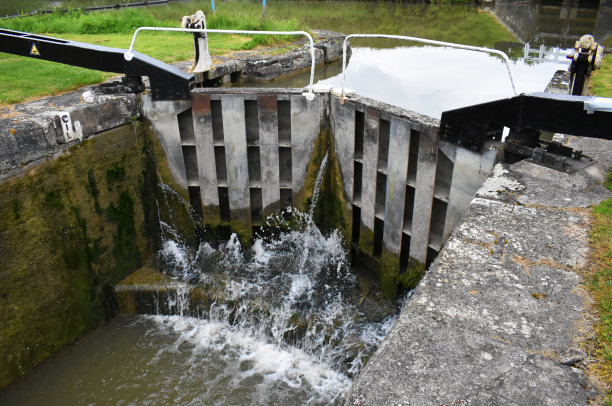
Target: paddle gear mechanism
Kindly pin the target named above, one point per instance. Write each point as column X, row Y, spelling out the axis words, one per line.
column 586, row 58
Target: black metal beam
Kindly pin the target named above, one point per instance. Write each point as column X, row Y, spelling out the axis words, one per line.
column 167, row 82
column 471, row 126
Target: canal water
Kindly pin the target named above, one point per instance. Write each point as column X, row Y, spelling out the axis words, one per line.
column 292, row 323
column 427, row 79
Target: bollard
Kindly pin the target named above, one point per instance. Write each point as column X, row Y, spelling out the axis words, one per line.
column 202, row 61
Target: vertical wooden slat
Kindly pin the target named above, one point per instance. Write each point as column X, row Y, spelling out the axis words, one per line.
column 268, row 146
column 423, row 199
column 205, row 150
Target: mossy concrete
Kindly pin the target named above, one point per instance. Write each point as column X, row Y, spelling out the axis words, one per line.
column 302, row 199
column 147, row 278
column 366, row 240
column 73, row 227
column 410, row 278
column 332, row 212
column 69, row 229
column 240, row 223
column 171, row 200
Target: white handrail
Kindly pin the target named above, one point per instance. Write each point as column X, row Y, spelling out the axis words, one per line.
column 426, row 41
column 129, row 54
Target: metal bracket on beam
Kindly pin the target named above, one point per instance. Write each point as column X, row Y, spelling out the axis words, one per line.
column 128, row 84
column 71, row 133
column 554, row 156
column 586, row 58
column 527, row 116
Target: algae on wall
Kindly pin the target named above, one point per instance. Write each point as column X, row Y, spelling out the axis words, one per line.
column 69, row 230
column 170, row 202
column 332, row 211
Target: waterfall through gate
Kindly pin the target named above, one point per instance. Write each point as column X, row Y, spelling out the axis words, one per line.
column 286, row 316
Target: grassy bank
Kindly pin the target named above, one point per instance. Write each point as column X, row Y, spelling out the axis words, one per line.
column 599, row 278
column 599, row 284
column 23, row 77
column 601, row 83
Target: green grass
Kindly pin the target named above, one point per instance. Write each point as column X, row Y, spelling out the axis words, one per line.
column 600, row 275
column 452, row 23
column 599, row 281
column 27, row 78
column 601, row 82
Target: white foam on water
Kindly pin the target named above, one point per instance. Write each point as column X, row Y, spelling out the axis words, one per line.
column 278, row 314
column 272, row 364
column 260, row 255
column 176, row 257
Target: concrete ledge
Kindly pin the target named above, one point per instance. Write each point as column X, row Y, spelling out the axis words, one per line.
column 31, row 133
column 500, row 306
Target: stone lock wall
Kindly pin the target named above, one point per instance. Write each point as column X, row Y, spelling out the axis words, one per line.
column 75, row 219
column 69, row 230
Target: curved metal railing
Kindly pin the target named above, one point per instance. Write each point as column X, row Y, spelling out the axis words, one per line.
column 310, row 95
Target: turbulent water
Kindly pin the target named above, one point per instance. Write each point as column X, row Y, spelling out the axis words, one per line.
column 282, row 316
column 285, row 324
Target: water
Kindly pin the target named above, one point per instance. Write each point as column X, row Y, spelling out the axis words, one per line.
column 154, row 360
column 429, row 80
column 284, row 321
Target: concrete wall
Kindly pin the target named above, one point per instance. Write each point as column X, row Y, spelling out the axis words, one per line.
column 69, row 230
column 246, row 154
column 31, row 133
column 407, row 189
column 564, row 22
column 75, row 219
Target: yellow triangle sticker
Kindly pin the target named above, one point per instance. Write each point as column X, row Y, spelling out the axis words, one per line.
column 34, row 51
